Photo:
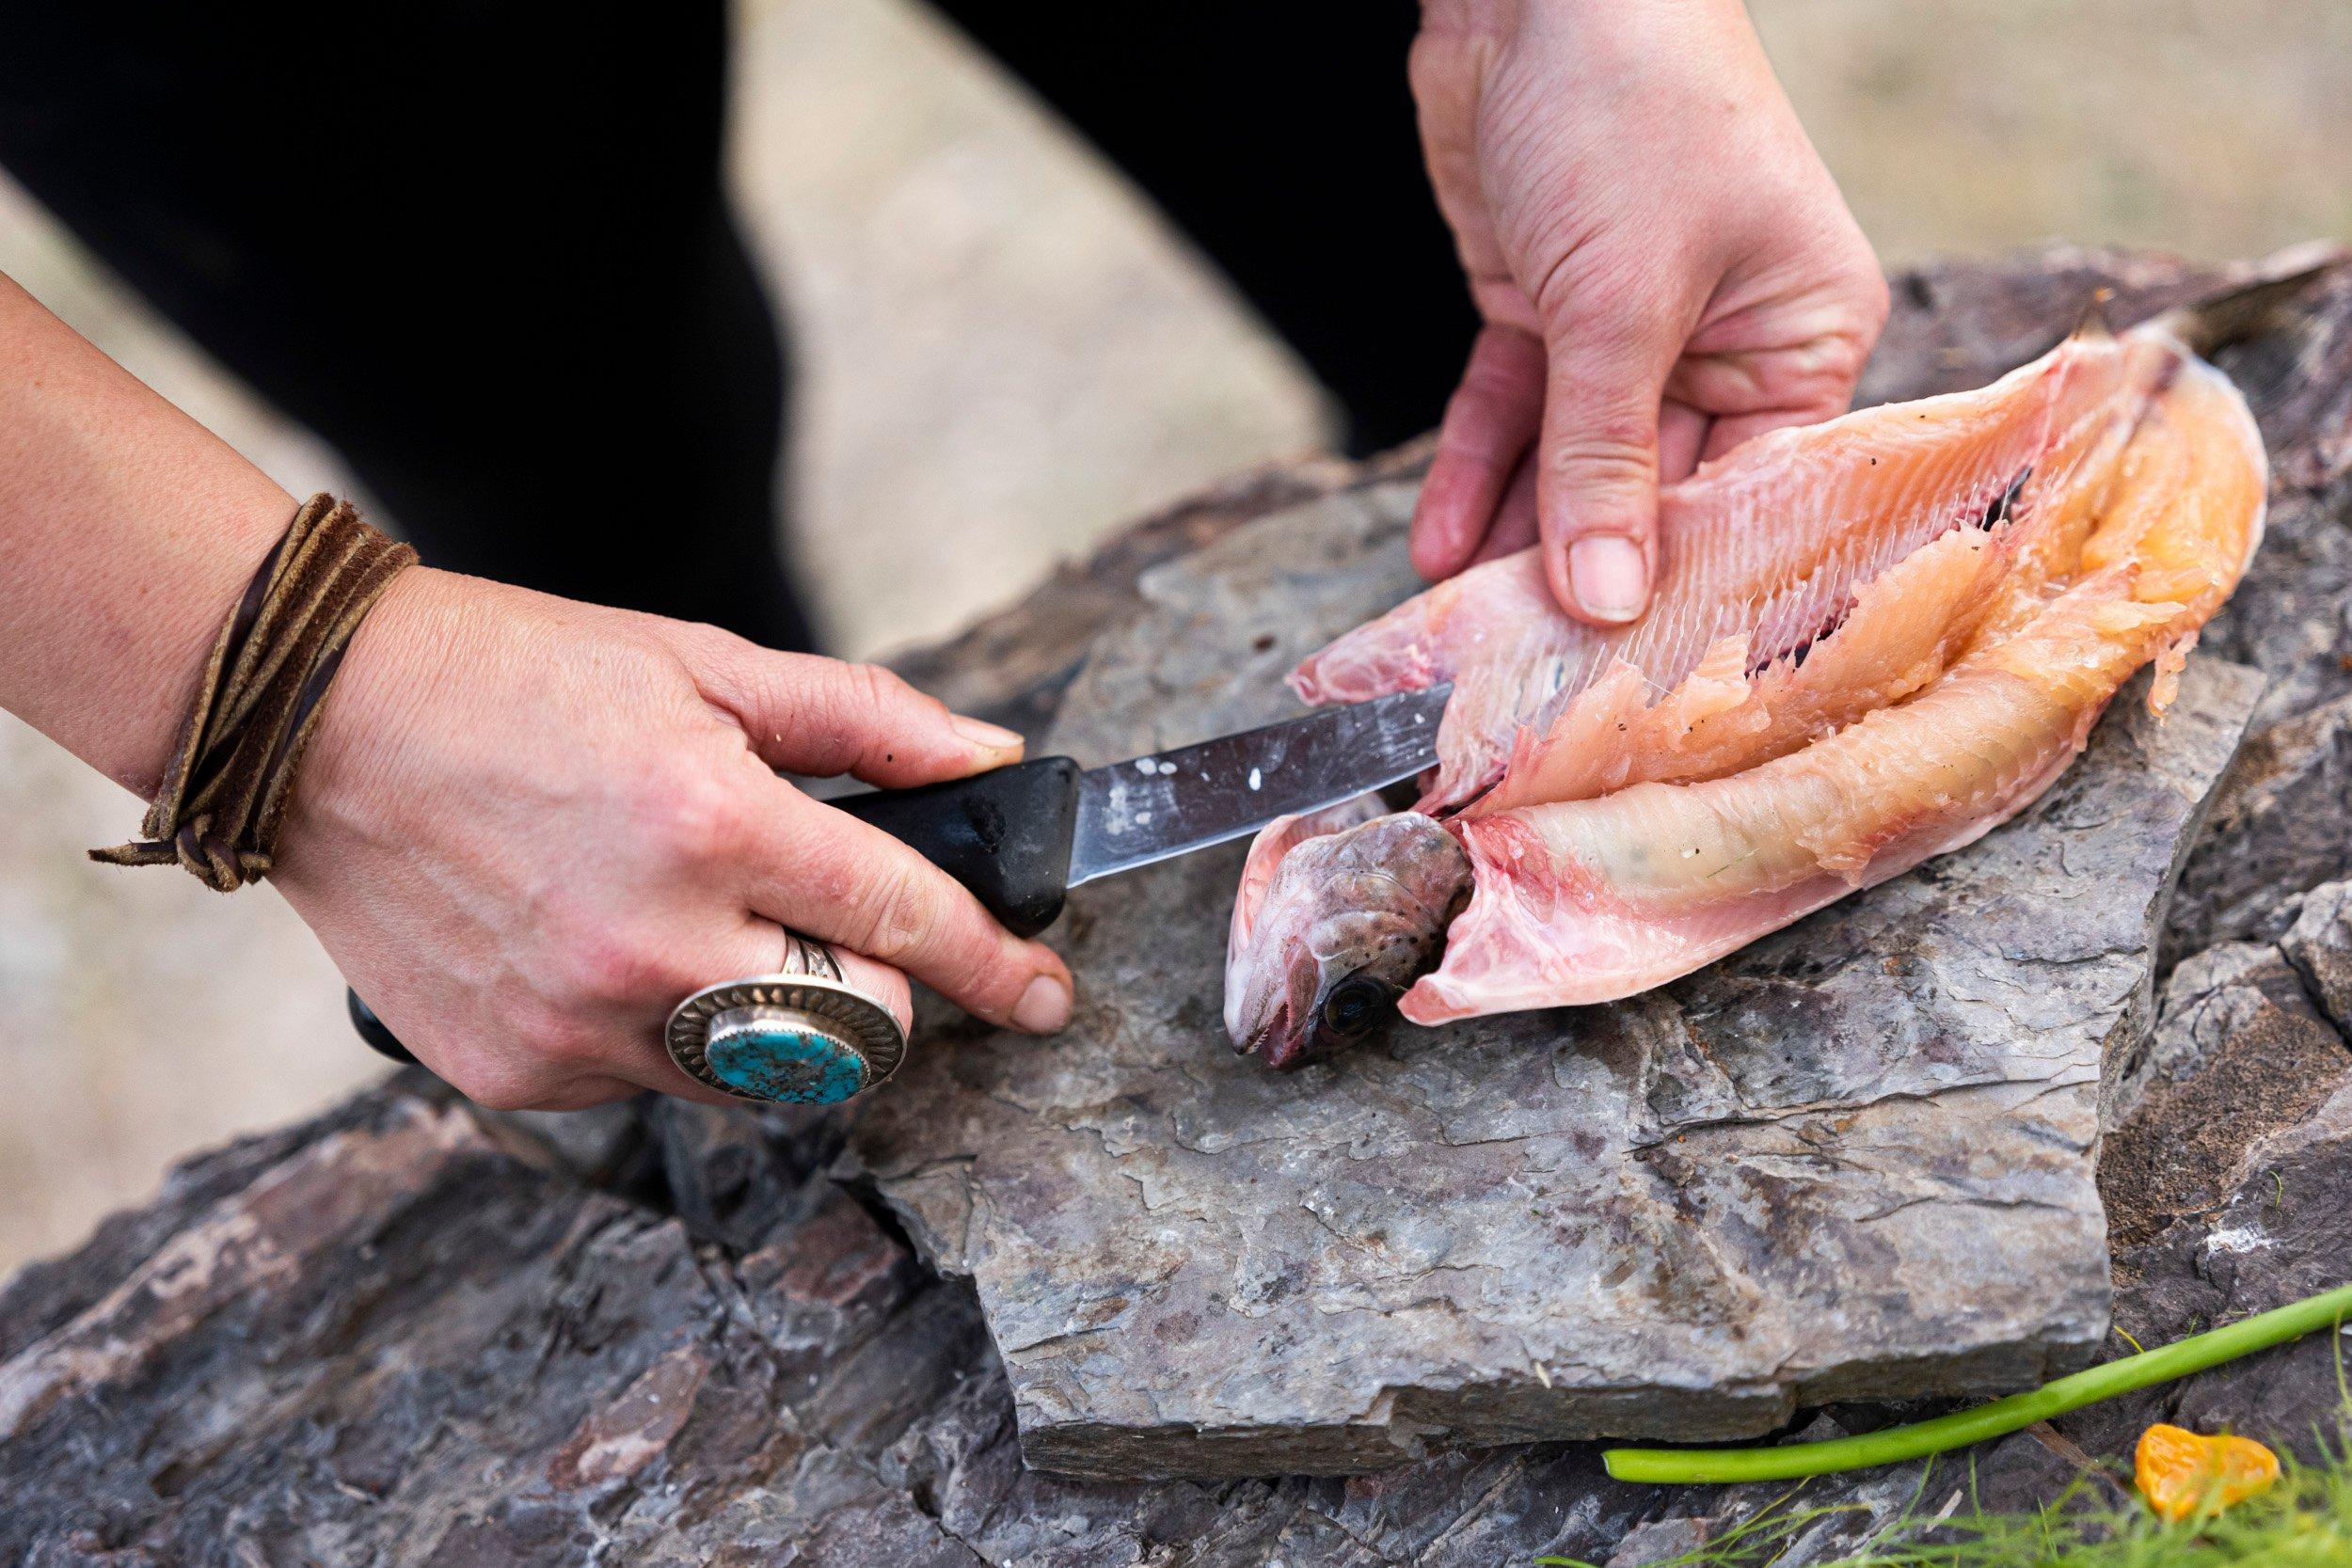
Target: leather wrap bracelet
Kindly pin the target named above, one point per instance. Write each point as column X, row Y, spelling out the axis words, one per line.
column 225, row 791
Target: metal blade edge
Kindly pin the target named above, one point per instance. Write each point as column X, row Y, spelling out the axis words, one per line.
column 1151, row 808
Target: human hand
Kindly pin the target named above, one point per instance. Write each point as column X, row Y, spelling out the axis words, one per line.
column 526, row 828
column 1664, row 266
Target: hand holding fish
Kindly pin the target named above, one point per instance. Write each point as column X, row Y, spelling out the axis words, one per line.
column 1664, row 267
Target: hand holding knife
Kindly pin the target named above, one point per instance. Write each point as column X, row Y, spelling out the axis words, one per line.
column 1020, row 838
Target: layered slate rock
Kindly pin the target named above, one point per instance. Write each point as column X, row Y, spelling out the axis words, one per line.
column 1854, row 1160
column 413, row 1333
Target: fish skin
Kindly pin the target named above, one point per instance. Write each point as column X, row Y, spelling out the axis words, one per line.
column 1355, row 894
column 1267, row 850
column 1652, row 809
column 2189, row 506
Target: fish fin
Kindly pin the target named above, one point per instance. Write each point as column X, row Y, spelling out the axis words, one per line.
column 2094, row 327
column 2241, row 312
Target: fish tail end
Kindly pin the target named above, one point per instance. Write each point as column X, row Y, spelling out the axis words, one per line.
column 2251, row 307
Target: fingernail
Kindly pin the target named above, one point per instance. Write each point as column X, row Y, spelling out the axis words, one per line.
column 1607, row 575
column 1043, row 1008
column 981, row 733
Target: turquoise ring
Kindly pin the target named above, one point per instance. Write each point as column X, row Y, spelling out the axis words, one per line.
column 802, row 1036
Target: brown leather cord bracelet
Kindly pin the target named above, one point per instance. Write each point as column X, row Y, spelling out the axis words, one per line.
column 225, row 790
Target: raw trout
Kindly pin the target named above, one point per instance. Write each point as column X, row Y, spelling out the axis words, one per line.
column 1873, row 640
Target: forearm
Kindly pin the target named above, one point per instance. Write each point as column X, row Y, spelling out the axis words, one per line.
column 127, row 532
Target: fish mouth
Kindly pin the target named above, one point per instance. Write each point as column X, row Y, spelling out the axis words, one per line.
column 1344, row 1015
column 1280, row 1043
column 1255, row 1042
column 1290, row 1049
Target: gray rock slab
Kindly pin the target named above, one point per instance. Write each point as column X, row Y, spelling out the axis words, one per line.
column 2239, row 1052
column 1854, row 1160
column 2319, row 944
column 2280, row 825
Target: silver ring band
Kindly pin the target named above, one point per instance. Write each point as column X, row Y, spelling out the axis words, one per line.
column 807, row 955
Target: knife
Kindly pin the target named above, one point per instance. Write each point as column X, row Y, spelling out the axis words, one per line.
column 1020, row 837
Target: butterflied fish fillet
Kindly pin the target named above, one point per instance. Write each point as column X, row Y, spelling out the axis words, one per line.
column 1874, row 640
column 1760, row 553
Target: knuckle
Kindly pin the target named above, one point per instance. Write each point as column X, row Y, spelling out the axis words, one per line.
column 846, row 711
column 829, row 852
column 785, row 681
column 876, row 687
column 883, row 698
column 1861, row 314
column 897, row 916
column 969, row 971
column 1621, row 313
column 1872, row 297
column 1843, row 360
column 1605, row 300
column 829, row 880
column 1823, row 370
column 986, row 986
column 1606, row 451
column 696, row 815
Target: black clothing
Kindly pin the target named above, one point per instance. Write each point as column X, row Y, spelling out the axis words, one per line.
column 484, row 249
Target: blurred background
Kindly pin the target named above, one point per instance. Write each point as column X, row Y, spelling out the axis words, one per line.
column 1004, row 352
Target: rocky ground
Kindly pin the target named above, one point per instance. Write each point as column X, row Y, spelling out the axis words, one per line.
column 412, row 1333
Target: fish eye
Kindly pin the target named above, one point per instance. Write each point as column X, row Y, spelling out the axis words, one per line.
column 1354, row 1004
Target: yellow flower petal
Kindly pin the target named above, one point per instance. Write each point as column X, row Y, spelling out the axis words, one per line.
column 2182, row 1473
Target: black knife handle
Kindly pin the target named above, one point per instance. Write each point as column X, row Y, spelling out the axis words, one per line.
column 1004, row 834
column 372, row 1029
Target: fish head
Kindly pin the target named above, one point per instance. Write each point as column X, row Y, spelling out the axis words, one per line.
column 1346, row 922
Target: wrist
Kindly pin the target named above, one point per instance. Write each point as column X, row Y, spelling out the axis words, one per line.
column 258, row 699
column 388, row 671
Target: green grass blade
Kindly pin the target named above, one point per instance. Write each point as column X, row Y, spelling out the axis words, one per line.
column 1789, row 1461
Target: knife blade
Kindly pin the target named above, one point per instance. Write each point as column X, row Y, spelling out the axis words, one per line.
column 1020, row 837
column 1153, row 808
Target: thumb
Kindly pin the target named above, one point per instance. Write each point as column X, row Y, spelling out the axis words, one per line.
column 1597, row 469
column 822, row 716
